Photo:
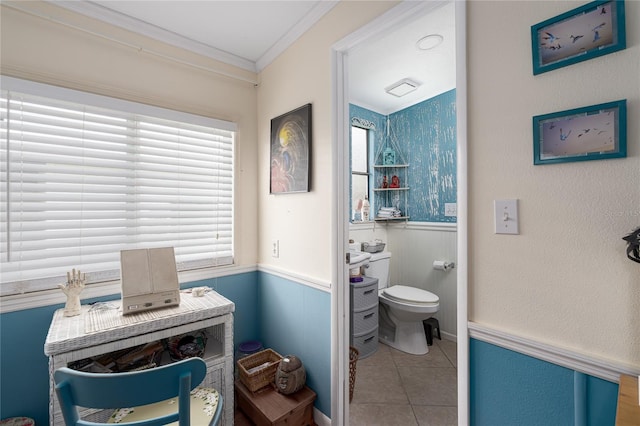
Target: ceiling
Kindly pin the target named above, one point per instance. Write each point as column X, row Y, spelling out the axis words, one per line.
column 251, row 34
column 394, row 56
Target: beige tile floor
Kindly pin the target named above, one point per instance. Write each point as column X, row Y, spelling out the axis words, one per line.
column 397, row 389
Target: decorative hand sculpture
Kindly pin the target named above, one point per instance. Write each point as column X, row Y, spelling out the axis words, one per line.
column 73, row 288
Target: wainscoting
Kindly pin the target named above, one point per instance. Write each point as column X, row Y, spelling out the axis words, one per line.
column 514, row 380
column 414, row 246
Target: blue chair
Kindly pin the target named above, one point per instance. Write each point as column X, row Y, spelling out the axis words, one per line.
column 153, row 393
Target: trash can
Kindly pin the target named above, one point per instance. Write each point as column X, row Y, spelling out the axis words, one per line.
column 353, row 358
column 248, row 348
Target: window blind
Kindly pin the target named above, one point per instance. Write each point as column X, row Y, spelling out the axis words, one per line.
column 81, row 182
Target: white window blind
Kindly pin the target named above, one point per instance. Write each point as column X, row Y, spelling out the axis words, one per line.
column 81, row 181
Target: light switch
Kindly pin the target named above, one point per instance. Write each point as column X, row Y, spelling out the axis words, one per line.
column 506, row 216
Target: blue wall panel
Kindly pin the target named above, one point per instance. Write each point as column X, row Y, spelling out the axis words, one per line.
column 602, row 402
column 509, row 388
column 296, row 320
column 242, row 290
column 24, row 369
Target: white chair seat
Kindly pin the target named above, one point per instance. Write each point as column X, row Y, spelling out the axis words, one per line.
column 204, row 402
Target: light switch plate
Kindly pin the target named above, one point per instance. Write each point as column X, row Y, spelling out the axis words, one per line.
column 506, row 216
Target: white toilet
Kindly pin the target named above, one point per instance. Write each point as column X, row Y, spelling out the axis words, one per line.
column 401, row 309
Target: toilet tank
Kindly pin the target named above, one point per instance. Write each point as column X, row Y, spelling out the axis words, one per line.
column 379, row 268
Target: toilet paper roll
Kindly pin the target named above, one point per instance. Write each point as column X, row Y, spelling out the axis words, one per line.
column 441, row 265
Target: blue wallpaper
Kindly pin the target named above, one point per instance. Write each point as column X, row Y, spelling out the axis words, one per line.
column 428, row 134
column 425, row 135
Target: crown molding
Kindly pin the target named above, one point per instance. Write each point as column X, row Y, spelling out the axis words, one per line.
column 318, row 11
column 128, row 23
column 134, row 25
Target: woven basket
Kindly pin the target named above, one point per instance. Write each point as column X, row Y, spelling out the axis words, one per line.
column 259, row 370
column 353, row 358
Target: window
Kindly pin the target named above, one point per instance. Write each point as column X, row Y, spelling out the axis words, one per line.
column 359, row 169
column 84, row 177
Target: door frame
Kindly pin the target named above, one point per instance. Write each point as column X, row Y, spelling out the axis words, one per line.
column 340, row 217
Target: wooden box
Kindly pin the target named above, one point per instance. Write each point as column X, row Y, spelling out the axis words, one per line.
column 268, row 407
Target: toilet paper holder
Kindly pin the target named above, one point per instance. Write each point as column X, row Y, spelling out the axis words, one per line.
column 442, row 265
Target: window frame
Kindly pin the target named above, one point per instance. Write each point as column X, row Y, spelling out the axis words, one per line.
column 69, row 95
column 367, row 173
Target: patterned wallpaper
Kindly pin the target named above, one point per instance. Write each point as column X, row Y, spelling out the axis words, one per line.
column 425, row 134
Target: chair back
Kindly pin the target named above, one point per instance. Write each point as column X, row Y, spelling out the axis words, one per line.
column 119, row 390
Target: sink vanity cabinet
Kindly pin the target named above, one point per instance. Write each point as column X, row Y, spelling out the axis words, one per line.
column 364, row 316
column 96, row 333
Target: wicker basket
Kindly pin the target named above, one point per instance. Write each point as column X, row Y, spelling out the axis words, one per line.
column 259, row 370
column 353, row 358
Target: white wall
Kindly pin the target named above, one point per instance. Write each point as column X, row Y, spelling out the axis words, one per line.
column 39, row 49
column 414, row 247
column 565, row 280
column 302, row 74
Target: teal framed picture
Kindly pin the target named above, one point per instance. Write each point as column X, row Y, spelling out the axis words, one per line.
column 595, row 132
column 589, row 31
column 388, row 157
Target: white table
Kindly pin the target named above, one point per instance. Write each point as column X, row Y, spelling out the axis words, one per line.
column 98, row 331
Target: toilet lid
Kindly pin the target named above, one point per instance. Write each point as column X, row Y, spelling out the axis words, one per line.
column 402, row 293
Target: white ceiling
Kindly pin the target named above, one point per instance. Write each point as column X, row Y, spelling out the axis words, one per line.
column 378, row 63
column 251, row 34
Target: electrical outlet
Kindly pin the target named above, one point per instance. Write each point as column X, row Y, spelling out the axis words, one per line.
column 450, row 209
column 275, row 248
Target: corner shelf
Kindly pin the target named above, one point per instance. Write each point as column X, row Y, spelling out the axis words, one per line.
column 397, row 197
column 391, row 219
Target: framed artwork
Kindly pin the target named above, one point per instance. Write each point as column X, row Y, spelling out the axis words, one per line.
column 590, row 133
column 290, row 151
column 592, row 30
column 388, row 157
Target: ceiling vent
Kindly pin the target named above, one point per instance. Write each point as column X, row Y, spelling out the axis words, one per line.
column 402, row 87
column 429, row 42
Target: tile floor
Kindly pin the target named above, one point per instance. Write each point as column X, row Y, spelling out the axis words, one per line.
column 397, row 389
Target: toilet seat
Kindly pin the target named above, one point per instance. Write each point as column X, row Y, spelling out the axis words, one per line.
column 412, row 295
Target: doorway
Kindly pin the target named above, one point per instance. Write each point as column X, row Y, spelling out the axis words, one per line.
column 397, row 16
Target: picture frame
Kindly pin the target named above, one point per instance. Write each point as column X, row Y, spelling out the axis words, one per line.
column 290, row 155
column 594, row 132
column 589, row 31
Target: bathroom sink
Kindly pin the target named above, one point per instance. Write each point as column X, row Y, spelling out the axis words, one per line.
column 358, row 259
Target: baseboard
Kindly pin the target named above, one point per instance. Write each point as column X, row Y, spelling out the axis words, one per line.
column 596, row 367
column 320, row 418
column 449, row 336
